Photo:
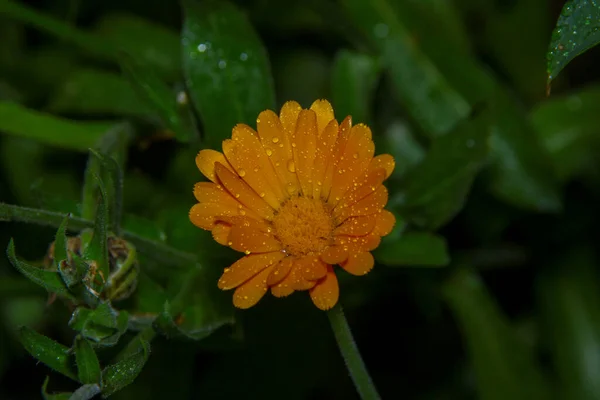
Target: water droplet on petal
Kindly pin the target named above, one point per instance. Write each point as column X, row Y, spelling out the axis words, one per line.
column 291, row 166
column 242, row 172
column 275, row 139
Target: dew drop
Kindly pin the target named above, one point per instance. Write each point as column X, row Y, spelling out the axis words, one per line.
column 291, row 166
column 242, row 172
column 243, row 56
column 202, row 47
column 262, row 194
column 355, row 156
column 222, row 64
column 269, row 152
column 275, row 139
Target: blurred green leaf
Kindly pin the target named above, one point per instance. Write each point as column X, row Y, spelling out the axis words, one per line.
column 60, row 242
column 94, row 92
column 97, row 250
column 414, row 249
column 505, row 367
column 51, row 130
column 436, row 190
column 577, row 30
column 429, row 97
column 54, row 396
column 46, row 350
column 399, row 141
column 353, row 81
column 116, row 376
column 102, row 325
column 570, row 299
column 161, row 99
column 151, row 44
column 521, row 166
column 88, row 366
column 50, row 280
column 226, row 68
column 568, row 127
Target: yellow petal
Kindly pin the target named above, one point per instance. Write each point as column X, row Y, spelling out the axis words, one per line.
column 358, row 244
column 311, row 268
column 248, row 294
column 340, row 144
column 206, row 159
column 242, row 192
column 356, row 226
column 326, row 292
column 280, row 272
column 325, row 148
column 359, row 263
column 205, row 215
column 289, row 116
column 250, row 240
column 371, row 204
column 247, row 155
column 220, row 233
column 247, row 267
column 384, row 223
column 276, row 143
column 384, row 161
column 334, row 255
column 286, row 286
column 366, row 185
column 258, row 224
column 324, row 112
column 353, row 162
column 298, row 280
column 304, row 145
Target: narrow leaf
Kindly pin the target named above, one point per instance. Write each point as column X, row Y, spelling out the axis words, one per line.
column 50, row 280
column 97, row 250
column 88, row 366
column 60, row 242
column 73, row 135
column 413, row 249
column 225, row 66
column 577, row 30
column 46, row 350
column 116, row 376
column 53, row 396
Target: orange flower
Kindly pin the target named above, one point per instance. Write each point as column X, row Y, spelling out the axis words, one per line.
column 302, row 194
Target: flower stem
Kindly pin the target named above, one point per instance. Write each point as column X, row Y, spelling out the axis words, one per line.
column 354, row 363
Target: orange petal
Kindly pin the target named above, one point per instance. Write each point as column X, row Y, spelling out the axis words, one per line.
column 334, row 255
column 285, row 287
column 353, row 162
column 359, row 263
column 362, row 188
column 298, row 281
column 325, row 147
column 246, row 267
column 205, row 215
column 249, row 240
column 384, row 161
column 289, row 116
column 311, row 268
column 304, row 146
column 242, row 192
column 324, row 113
column 258, row 224
column 327, row 291
column 357, row 244
column 247, row 155
column 280, row 272
column 221, row 233
column 384, row 223
column 370, row 205
column 206, row 159
column 356, row 226
column 340, row 144
column 248, row 294
column 278, row 148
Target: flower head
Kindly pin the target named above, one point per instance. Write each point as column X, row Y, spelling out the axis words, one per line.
column 299, row 195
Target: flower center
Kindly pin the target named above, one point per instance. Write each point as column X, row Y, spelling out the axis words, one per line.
column 304, row 226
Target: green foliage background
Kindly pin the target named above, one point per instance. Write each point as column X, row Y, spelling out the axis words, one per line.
column 487, row 288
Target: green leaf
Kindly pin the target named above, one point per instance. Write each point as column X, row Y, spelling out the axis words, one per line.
column 413, row 248
column 577, row 30
column 399, row 140
column 226, row 68
column 428, row 95
column 436, row 190
column 116, row 376
column 161, row 99
column 522, row 171
column 354, row 79
column 73, row 135
column 111, row 173
column 568, row 126
column 103, row 325
column 50, row 280
column 97, row 250
column 88, row 366
column 93, row 92
column 46, row 350
column 504, row 367
column 570, row 303
column 151, row 44
column 60, row 242
column 54, row 396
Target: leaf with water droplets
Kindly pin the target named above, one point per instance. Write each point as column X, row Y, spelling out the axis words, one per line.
column 577, row 30
column 46, row 350
column 88, row 366
column 116, row 376
column 226, row 68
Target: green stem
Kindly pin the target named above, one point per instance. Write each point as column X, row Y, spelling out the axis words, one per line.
column 354, row 363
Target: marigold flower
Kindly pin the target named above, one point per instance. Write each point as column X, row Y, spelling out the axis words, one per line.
column 298, row 196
